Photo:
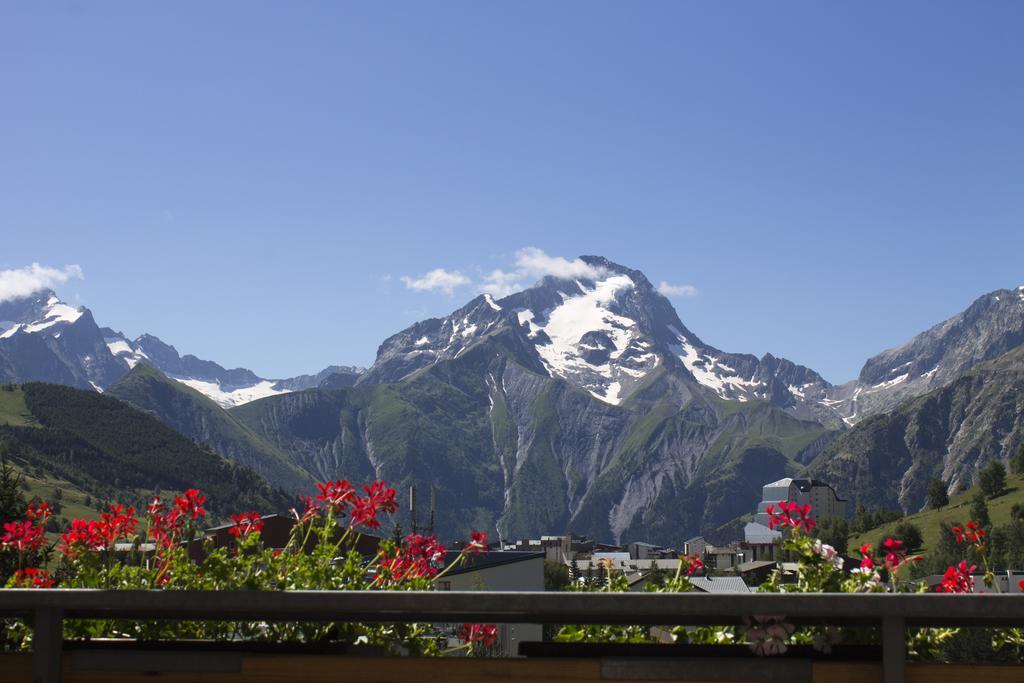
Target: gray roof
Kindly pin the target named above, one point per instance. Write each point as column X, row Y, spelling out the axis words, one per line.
column 719, row 584
column 756, row 533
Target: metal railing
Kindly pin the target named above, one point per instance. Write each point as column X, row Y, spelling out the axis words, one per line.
column 892, row 612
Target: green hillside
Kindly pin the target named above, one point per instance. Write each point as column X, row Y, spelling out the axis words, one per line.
column 13, row 411
column 957, row 512
column 96, row 448
column 189, row 412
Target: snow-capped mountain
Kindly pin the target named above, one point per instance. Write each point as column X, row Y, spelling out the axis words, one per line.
column 45, row 339
column 227, row 387
column 988, row 328
column 605, row 334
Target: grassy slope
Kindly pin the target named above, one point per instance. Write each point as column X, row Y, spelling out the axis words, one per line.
column 958, row 511
column 88, row 444
column 189, row 412
column 13, row 411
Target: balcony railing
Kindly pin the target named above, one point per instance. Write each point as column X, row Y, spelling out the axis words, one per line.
column 893, row 613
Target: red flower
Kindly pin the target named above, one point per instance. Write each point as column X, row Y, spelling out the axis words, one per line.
column 117, row 524
column 33, row 577
column 23, row 536
column 418, row 557
column 790, row 514
column 335, row 494
column 957, row 579
column 693, row 564
column 478, row 544
column 190, row 504
column 379, row 498
column 479, row 633
column 246, row 523
column 39, row 513
column 83, row 536
column 165, row 525
column 894, row 554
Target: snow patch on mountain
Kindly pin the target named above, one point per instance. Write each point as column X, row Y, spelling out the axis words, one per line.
column 56, row 312
column 229, row 397
column 583, row 338
column 709, row 371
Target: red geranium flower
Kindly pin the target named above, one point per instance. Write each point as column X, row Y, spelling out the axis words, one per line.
column 478, row 544
column 190, row 504
column 379, row 498
column 246, row 523
column 23, row 536
column 790, row 514
column 958, row 579
column 335, row 494
column 479, row 633
column 33, row 577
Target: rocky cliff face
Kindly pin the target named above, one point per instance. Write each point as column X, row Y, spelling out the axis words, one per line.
column 516, row 450
column 988, row 328
column 949, row 434
column 44, row 339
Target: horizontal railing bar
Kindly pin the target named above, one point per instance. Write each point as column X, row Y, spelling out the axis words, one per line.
column 523, row 607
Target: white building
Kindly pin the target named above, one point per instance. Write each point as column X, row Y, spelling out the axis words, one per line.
column 820, row 496
column 500, row 571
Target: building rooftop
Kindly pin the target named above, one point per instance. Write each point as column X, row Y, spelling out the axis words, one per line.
column 719, row 584
column 487, row 560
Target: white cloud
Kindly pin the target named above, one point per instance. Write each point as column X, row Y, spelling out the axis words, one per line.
column 532, row 264
column 439, row 280
column 501, row 283
column 20, row 282
column 533, row 261
column 676, row 290
column 529, row 265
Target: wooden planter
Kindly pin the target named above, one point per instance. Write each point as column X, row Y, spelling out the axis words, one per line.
column 194, row 663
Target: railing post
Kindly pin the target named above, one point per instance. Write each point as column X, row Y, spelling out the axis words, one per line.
column 47, row 642
column 894, row 649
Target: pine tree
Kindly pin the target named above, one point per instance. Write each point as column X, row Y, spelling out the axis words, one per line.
column 992, row 479
column 12, row 502
column 979, row 510
column 1017, row 461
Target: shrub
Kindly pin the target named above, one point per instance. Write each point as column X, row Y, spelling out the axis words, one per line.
column 992, row 479
column 938, row 497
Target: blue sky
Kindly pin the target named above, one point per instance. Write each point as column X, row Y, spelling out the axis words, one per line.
column 251, row 181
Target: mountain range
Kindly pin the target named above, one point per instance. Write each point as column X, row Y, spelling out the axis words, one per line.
column 44, row 339
column 579, row 404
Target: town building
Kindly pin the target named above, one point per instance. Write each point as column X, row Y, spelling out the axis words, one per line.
column 820, row 496
column 498, row 571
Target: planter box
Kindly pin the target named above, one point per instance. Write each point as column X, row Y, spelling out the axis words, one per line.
column 210, row 666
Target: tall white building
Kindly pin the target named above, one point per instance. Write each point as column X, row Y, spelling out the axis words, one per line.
column 822, row 498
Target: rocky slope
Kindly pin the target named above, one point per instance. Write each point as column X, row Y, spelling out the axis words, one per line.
column 950, row 433
column 605, row 333
column 514, row 450
column 988, row 328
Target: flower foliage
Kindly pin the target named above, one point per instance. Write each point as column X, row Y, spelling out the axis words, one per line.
column 166, row 548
